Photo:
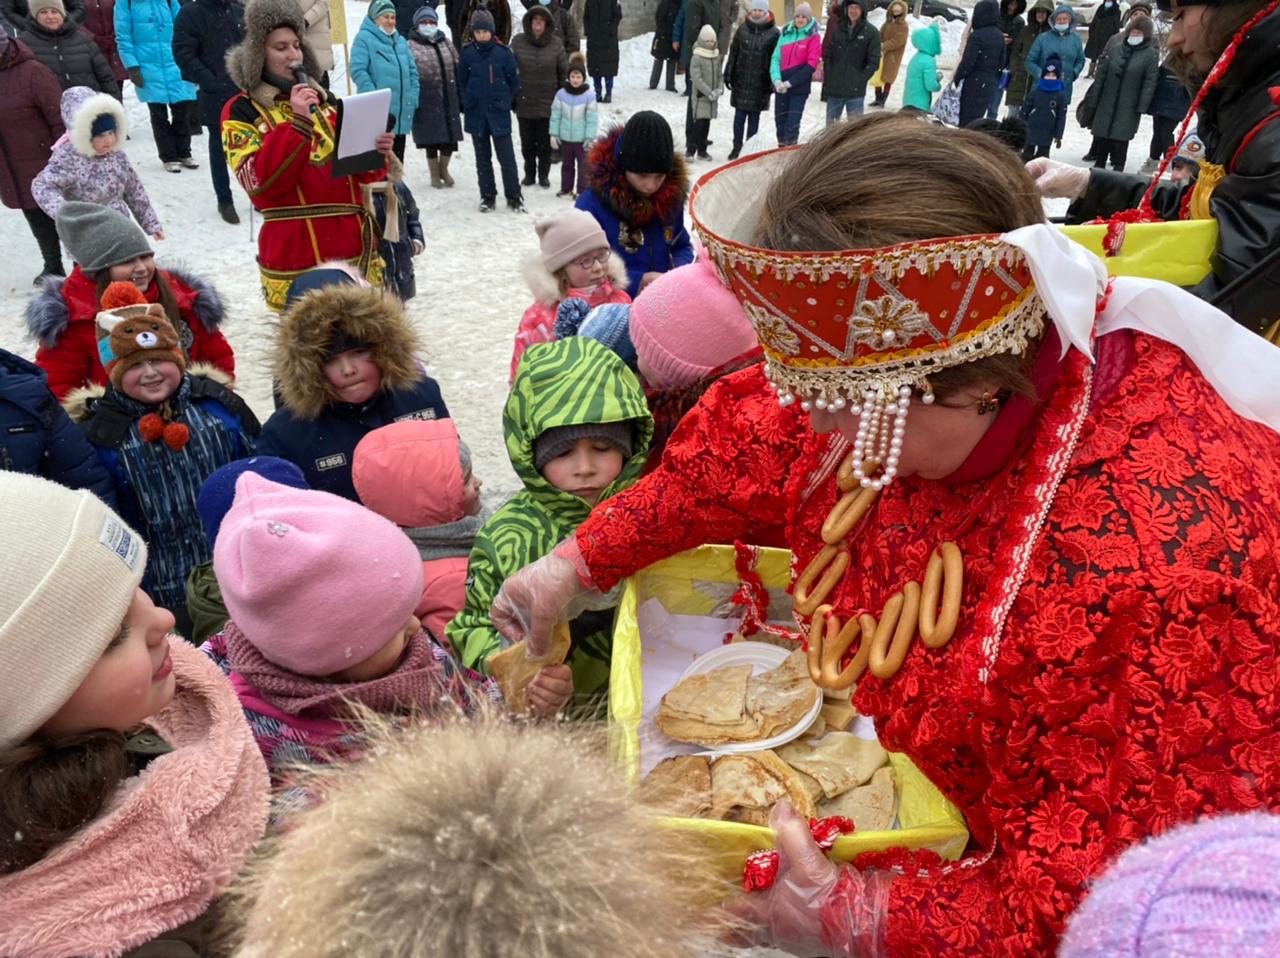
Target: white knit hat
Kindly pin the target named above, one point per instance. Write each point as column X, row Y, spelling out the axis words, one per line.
column 68, row 570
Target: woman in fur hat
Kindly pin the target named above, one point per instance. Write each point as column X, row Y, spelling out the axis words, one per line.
column 956, row 399
column 279, row 138
column 344, row 360
column 131, row 790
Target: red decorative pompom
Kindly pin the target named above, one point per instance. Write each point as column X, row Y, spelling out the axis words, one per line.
column 825, row 831
column 1274, row 93
column 760, row 870
column 122, row 294
column 151, row 427
column 176, row 435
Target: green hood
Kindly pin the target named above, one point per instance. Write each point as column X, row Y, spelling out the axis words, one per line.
column 927, row 40
column 791, row 33
column 572, row 382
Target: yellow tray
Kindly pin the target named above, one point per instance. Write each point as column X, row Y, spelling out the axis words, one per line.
column 693, row 583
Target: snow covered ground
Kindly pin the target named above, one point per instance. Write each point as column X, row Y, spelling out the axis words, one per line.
column 471, row 293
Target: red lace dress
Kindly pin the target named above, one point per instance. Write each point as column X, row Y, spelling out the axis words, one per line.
column 1115, row 669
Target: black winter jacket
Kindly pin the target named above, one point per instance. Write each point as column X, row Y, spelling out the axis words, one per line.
column 1105, row 25
column 542, row 65
column 18, row 13
column 850, row 55
column 203, row 32
column 600, row 20
column 1125, row 83
column 664, row 25
column 73, row 56
column 746, row 72
column 398, row 256
column 39, row 438
column 1246, row 203
column 984, row 58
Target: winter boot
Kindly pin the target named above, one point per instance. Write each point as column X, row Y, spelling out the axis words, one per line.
column 881, row 96
column 736, row 151
column 228, row 213
column 487, row 203
column 433, row 164
column 444, row 168
column 530, row 173
column 516, row 204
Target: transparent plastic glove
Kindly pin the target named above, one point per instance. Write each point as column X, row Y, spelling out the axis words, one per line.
column 1057, row 180
column 541, row 594
column 795, row 914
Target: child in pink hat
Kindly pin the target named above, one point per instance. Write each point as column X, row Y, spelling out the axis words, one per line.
column 688, row 330
column 321, row 594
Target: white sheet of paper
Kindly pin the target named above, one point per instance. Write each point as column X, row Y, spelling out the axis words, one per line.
column 364, row 119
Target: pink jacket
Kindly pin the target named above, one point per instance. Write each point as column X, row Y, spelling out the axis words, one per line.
column 807, row 50
column 412, row 473
column 168, row 843
column 538, row 324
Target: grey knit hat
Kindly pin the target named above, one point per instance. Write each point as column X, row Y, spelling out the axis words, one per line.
column 464, row 457
column 98, row 237
column 562, row 438
column 482, row 19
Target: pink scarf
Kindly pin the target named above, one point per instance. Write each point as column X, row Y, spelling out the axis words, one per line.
column 168, row 843
column 419, row 682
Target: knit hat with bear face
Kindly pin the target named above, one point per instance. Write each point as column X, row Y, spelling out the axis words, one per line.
column 132, row 331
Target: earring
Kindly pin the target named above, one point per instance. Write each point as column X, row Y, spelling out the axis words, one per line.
column 988, row 403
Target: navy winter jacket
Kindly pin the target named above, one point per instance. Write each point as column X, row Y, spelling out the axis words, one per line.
column 398, row 256
column 489, row 80
column 38, row 437
column 324, row 447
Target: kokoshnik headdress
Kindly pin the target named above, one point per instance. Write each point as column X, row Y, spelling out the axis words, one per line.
column 864, row 328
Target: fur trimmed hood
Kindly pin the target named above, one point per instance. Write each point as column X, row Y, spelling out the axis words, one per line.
column 609, row 182
column 49, row 313
column 362, row 314
column 80, row 107
column 245, row 60
column 78, row 403
column 523, row 840
column 545, row 287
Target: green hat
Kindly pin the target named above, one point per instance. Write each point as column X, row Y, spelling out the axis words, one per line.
column 379, row 7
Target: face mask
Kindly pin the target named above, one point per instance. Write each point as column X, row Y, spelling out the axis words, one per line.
column 1135, row 41
column 427, row 29
column 1061, row 27
column 389, row 31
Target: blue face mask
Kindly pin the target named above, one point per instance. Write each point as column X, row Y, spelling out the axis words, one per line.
column 1061, row 27
column 1135, row 41
column 427, row 29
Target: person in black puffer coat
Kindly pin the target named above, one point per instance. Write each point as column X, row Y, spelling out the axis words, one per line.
column 19, row 15
column 746, row 72
column 543, row 67
column 1011, row 25
column 664, row 22
column 600, row 20
column 69, row 52
column 1239, row 183
column 850, row 57
column 38, row 437
column 1122, row 92
column 1105, row 25
column 984, row 58
column 203, row 32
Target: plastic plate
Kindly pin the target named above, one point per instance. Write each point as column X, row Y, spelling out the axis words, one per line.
column 762, row 657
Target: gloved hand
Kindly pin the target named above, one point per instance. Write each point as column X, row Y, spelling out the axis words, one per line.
column 1057, row 180
column 782, row 86
column 541, row 594
column 555, row 143
column 135, row 75
column 790, row 916
column 715, row 94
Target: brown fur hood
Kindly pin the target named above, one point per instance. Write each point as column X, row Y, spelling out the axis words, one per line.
column 479, row 838
column 363, row 314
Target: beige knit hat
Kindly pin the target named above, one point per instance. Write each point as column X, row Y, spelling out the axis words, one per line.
column 569, row 235
column 67, row 576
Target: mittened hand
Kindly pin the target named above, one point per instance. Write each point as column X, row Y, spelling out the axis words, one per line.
column 1057, row 180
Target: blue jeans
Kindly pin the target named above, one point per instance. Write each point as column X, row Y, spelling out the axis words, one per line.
column 608, row 86
column 993, row 107
column 840, row 104
column 788, row 111
column 218, row 167
column 747, row 121
column 485, row 145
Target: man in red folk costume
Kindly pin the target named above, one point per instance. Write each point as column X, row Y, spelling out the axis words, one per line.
column 957, row 409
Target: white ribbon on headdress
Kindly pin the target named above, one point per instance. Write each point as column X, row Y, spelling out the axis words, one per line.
column 1242, row 367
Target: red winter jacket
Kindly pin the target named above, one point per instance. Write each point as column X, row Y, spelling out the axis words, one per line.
column 63, row 318
column 1114, row 672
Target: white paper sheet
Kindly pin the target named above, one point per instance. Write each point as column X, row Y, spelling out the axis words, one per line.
column 364, row 119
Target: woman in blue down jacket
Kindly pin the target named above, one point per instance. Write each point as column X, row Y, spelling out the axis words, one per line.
column 380, row 60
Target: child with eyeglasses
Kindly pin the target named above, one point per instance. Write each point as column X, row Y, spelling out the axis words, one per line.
column 575, row 261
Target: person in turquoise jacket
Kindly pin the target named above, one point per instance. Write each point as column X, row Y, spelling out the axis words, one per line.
column 1060, row 39
column 381, row 60
column 922, row 72
column 144, row 40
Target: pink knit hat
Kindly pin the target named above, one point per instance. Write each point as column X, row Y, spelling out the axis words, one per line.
column 568, row 236
column 316, row 582
column 685, row 324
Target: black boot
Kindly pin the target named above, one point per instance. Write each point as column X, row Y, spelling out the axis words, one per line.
column 737, row 149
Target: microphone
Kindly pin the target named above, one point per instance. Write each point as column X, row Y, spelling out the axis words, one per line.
column 300, row 77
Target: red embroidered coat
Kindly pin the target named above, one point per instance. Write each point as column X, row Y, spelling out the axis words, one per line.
column 1115, row 668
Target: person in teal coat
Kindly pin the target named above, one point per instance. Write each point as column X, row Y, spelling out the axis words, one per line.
column 1060, row 39
column 381, row 60
column 144, row 40
column 922, row 72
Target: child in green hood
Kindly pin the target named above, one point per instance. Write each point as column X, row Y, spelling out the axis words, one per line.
column 577, row 430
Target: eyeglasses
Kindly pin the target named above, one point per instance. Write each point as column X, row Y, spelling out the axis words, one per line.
column 590, row 260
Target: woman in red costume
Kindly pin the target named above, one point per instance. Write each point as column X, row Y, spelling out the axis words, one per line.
column 957, row 365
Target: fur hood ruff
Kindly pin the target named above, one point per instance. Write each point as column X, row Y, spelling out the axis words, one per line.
column 546, row 288
column 371, row 316
column 609, row 182
column 77, row 402
column 80, row 107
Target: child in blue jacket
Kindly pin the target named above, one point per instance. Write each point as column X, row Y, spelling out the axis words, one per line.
column 638, row 191
column 1045, row 111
